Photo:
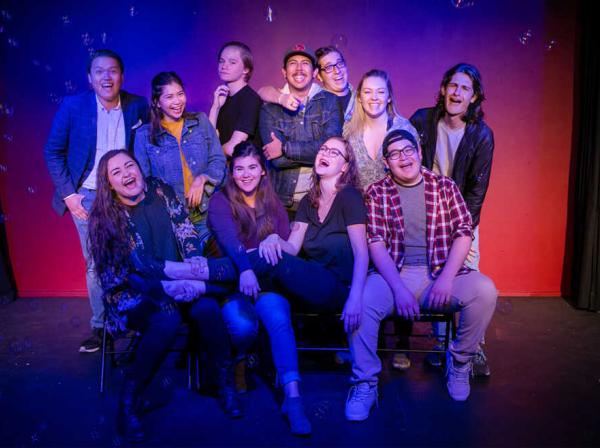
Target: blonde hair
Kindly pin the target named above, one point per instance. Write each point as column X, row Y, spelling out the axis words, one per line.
column 358, row 120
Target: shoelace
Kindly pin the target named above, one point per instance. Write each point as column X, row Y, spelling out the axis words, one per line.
column 460, row 376
column 359, row 392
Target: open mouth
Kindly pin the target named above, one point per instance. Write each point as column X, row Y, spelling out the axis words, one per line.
column 129, row 182
column 299, row 77
column 324, row 163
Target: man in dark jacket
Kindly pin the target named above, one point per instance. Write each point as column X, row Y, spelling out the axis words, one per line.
column 85, row 127
column 457, row 143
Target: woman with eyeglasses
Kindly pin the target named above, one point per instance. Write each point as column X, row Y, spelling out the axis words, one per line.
column 374, row 115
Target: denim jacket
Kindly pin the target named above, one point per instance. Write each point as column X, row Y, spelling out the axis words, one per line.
column 201, row 149
column 301, row 133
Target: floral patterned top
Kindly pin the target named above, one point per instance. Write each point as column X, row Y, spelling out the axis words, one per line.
column 120, row 294
column 372, row 170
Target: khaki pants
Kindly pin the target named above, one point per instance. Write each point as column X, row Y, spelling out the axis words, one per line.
column 474, row 295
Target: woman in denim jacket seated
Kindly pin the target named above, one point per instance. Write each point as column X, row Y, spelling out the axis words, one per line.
column 139, row 237
column 181, row 148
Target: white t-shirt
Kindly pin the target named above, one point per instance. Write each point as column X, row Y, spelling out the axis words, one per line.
column 445, row 148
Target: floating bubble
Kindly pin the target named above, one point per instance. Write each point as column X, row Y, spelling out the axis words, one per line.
column 35, row 62
column 270, row 14
column 133, row 11
column 550, row 45
column 7, row 109
column 321, row 409
column 27, row 344
column 54, row 98
column 117, row 442
column 525, row 37
column 75, row 322
column 8, row 137
column 6, row 15
column 91, row 50
column 166, row 382
column 339, row 41
column 3, row 168
column 252, row 361
column 12, row 42
column 86, row 39
column 31, row 190
column 3, row 218
column 70, row 87
column 103, row 37
column 504, row 307
column 35, row 438
column 459, row 4
column 101, row 420
column 47, row 68
column 1, row 29
column 95, row 434
column 15, row 347
column 66, row 20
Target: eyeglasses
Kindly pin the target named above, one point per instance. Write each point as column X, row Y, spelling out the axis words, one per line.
column 329, row 68
column 332, row 152
column 407, row 152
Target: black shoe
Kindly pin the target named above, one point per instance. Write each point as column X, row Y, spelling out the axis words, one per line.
column 94, row 343
column 129, row 425
column 228, row 397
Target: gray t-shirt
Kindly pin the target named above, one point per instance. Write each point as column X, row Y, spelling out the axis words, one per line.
column 413, row 211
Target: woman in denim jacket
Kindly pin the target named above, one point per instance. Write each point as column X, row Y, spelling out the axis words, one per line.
column 181, row 148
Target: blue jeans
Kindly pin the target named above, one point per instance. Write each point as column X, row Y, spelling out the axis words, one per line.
column 204, row 232
column 273, row 310
column 93, row 285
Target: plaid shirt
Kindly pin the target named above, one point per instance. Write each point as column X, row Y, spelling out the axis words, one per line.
column 447, row 218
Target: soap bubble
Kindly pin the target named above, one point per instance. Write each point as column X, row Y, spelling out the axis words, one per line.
column 1, row 29
column 12, row 42
column 35, row 62
column 86, row 39
column 91, row 50
column 6, row 15
column 459, row 4
column 66, row 20
column 252, row 361
column 75, row 322
column 47, row 68
column 31, row 190
column 3, row 168
column 270, row 14
column 8, row 137
column 3, row 218
column 550, row 45
column 7, row 109
column 339, row 41
column 525, row 37
column 70, row 87
column 95, row 434
column 15, row 347
column 117, row 442
column 166, row 382
column 321, row 409
column 54, row 98
column 133, row 11
column 103, row 37
column 35, row 438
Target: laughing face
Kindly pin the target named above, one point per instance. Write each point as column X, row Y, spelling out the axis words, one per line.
column 331, row 159
column 171, row 102
column 247, row 174
column 106, row 78
column 374, row 96
column 337, row 80
column 458, row 95
column 406, row 169
column 299, row 72
column 125, row 178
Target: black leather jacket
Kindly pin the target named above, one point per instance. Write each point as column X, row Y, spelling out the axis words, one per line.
column 473, row 159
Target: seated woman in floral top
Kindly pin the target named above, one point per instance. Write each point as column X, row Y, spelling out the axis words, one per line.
column 140, row 236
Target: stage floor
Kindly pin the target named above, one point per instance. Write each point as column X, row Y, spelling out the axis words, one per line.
column 544, row 390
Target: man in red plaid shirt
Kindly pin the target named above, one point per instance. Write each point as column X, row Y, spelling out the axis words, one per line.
column 419, row 233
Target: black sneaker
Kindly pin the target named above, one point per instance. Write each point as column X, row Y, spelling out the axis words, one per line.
column 481, row 366
column 93, row 344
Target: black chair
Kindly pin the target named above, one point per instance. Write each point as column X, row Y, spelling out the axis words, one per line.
column 118, row 355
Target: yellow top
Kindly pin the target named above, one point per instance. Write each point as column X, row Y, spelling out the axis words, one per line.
column 174, row 128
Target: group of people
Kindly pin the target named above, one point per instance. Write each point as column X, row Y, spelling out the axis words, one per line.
column 219, row 219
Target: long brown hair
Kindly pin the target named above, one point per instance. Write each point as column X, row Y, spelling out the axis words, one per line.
column 158, row 83
column 108, row 241
column 258, row 221
column 348, row 177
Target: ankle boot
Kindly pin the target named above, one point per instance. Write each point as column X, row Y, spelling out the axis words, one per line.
column 228, row 397
column 128, row 421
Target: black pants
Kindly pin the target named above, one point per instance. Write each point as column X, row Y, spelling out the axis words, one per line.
column 159, row 329
column 312, row 285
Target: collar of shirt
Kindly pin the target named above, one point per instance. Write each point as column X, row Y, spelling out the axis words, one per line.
column 104, row 109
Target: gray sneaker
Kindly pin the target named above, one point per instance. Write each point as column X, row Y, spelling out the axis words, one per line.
column 480, row 364
column 361, row 398
column 457, row 379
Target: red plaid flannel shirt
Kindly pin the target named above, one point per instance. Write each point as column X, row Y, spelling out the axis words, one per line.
column 447, row 218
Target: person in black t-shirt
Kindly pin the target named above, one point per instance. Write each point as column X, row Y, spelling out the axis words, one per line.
column 235, row 108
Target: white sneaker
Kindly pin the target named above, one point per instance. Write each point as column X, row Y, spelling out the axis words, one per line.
column 361, row 398
column 457, row 379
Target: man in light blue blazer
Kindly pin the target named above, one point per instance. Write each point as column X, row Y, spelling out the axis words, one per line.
column 85, row 127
